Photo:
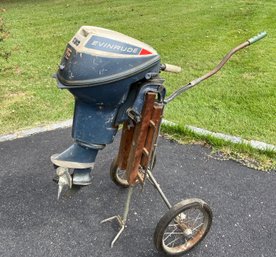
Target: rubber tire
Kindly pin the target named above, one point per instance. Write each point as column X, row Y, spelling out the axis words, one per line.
column 172, row 213
column 114, row 177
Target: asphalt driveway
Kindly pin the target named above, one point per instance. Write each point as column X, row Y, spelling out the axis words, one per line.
column 34, row 223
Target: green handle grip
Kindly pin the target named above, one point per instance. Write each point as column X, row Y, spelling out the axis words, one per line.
column 257, row 38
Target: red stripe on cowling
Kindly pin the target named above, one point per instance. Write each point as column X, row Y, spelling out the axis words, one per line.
column 145, row 52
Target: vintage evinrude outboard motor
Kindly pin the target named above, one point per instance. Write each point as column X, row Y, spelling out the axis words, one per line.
column 108, row 73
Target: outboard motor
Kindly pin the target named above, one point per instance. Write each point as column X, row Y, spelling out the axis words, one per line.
column 108, row 73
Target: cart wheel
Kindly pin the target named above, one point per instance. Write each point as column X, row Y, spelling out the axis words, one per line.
column 118, row 176
column 183, row 226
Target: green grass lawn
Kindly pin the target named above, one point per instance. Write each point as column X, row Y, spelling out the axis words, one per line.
column 240, row 100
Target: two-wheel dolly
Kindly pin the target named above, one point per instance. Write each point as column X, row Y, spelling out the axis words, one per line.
column 187, row 222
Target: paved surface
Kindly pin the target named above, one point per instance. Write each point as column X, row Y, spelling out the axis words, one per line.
column 34, row 223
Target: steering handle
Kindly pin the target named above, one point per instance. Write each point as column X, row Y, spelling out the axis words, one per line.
column 170, row 68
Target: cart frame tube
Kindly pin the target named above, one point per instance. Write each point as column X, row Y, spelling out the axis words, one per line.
column 157, row 186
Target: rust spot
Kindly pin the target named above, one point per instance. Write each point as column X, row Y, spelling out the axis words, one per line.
column 67, row 53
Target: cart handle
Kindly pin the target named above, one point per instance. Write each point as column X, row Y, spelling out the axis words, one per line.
column 217, row 68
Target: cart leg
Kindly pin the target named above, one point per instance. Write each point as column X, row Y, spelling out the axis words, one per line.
column 121, row 221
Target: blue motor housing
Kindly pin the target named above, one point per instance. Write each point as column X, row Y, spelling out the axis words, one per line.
column 109, row 75
column 105, row 70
